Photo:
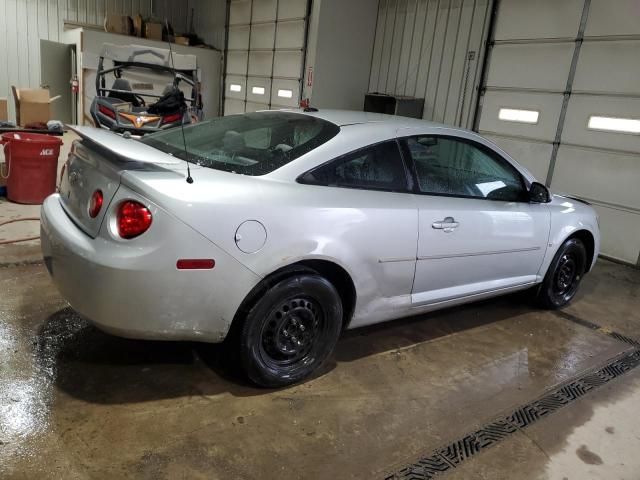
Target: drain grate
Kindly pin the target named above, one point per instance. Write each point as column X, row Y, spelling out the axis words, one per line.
column 452, row 455
column 593, row 326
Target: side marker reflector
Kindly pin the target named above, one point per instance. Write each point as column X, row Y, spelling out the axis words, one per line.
column 195, row 264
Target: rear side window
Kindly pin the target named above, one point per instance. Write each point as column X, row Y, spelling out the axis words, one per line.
column 378, row 167
column 250, row 144
column 455, row 167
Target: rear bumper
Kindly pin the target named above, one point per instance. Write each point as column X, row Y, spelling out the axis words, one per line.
column 133, row 289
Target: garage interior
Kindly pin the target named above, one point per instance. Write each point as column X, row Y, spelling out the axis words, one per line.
column 497, row 389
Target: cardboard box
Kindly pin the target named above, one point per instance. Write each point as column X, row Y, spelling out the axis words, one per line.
column 34, row 105
column 118, row 24
column 181, row 40
column 153, row 31
column 137, row 25
column 4, row 116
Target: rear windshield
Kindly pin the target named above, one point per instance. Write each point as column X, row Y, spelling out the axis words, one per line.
column 250, row 144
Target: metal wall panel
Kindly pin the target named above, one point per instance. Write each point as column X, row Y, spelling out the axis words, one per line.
column 535, row 43
column 260, row 63
column 536, row 66
column 290, row 34
column 262, row 36
column 258, row 90
column 254, row 107
column 238, row 38
column 233, row 106
column 534, row 156
column 237, row 63
column 604, row 177
column 287, row 63
column 269, row 36
column 289, row 9
column 609, row 18
column 542, row 19
column 431, row 49
column 240, row 12
column 611, row 67
column 281, row 85
column 582, row 106
column 265, row 11
column 623, row 246
column 547, row 104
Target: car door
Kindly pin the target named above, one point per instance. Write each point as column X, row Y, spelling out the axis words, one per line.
column 478, row 232
column 366, row 196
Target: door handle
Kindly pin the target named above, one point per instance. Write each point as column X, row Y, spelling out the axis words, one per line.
column 448, row 224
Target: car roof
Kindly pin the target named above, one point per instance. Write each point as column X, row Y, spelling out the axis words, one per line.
column 343, row 118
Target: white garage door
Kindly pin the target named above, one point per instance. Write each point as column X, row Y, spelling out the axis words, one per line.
column 563, row 97
column 265, row 54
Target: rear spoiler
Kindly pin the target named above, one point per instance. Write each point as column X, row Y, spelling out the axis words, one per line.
column 126, row 149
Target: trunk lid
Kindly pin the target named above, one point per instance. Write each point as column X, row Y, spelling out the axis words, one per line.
column 97, row 162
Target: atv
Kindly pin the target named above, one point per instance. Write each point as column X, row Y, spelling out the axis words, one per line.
column 151, row 89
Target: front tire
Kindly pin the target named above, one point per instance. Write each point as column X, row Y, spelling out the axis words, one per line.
column 564, row 275
column 291, row 330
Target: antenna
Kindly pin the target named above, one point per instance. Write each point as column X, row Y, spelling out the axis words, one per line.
column 182, row 108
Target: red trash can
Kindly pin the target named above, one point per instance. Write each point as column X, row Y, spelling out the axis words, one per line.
column 31, row 166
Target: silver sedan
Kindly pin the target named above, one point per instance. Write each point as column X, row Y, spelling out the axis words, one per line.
column 274, row 231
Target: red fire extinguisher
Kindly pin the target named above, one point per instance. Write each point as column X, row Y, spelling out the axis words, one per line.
column 75, row 84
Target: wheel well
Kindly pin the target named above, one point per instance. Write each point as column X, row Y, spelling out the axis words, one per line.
column 333, row 272
column 340, row 279
column 589, row 243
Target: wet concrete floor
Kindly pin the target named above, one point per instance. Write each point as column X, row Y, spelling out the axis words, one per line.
column 77, row 403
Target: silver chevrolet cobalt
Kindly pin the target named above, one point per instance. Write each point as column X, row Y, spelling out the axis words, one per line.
column 274, row 231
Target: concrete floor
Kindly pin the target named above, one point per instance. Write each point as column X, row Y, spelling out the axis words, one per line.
column 76, row 403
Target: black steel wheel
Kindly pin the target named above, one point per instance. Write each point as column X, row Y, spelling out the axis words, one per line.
column 291, row 330
column 564, row 275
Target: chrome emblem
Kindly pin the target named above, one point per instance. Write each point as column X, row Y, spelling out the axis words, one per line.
column 138, row 120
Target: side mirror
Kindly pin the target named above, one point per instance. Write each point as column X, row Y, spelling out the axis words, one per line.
column 538, row 193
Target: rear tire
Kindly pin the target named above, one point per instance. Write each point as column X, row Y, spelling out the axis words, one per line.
column 564, row 275
column 291, row 330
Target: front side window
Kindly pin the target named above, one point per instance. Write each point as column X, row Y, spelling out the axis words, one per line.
column 450, row 166
column 250, row 144
column 378, row 167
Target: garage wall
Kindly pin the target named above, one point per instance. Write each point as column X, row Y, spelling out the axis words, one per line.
column 432, row 49
column 569, row 61
column 209, row 17
column 339, row 53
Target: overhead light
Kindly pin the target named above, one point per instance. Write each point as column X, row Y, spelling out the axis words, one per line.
column 234, row 87
column 257, row 90
column 614, row 124
column 285, row 93
column 518, row 115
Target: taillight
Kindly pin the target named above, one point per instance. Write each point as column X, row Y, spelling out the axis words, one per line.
column 107, row 111
column 174, row 117
column 133, row 219
column 96, row 203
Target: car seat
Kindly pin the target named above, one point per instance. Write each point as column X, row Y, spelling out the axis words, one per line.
column 123, row 84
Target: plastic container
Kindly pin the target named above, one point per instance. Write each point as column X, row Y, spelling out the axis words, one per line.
column 31, row 165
